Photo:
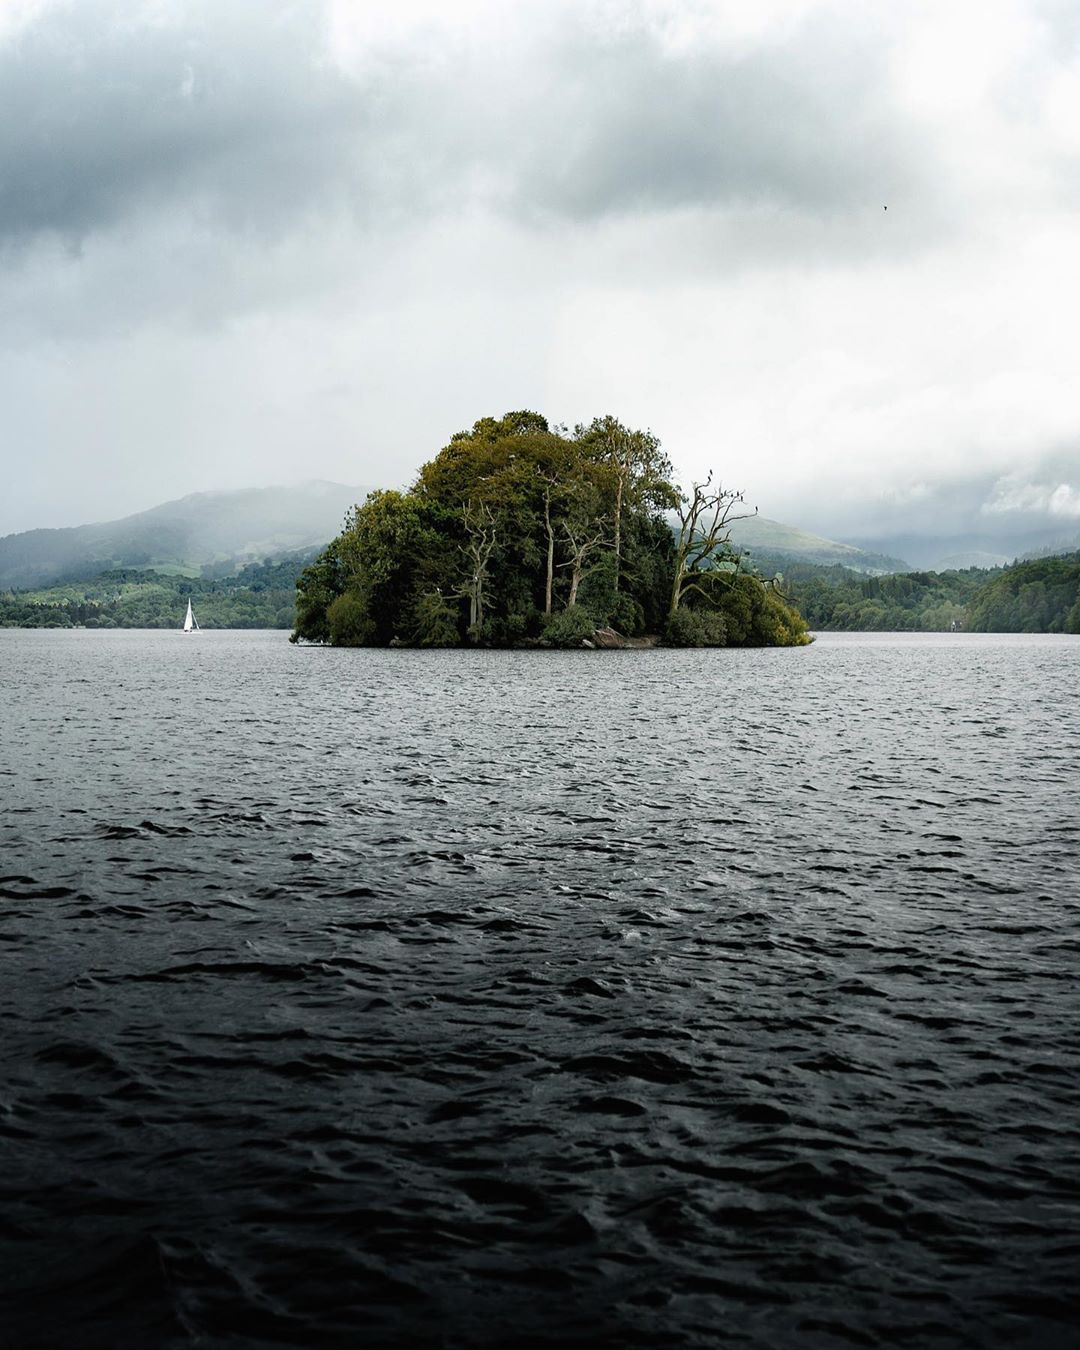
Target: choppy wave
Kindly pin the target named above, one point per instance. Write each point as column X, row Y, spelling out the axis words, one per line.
column 476, row 999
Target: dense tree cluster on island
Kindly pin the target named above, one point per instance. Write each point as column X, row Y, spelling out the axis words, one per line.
column 520, row 533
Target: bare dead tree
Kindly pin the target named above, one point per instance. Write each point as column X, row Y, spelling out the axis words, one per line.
column 636, row 468
column 704, row 538
column 620, row 446
column 584, row 539
column 482, row 529
column 551, row 482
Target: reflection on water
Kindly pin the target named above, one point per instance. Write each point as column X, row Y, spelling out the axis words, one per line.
column 473, row 999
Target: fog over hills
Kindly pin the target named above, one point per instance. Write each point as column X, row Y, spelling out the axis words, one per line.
column 758, row 535
column 1066, row 544
column 224, row 529
column 1002, row 540
column 956, row 562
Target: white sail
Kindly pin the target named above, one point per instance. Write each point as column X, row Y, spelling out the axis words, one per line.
column 189, row 619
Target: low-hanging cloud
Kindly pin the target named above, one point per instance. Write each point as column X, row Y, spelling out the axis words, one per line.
column 1015, row 495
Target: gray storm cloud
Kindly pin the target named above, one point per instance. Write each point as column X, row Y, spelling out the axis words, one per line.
column 238, row 115
column 236, row 245
column 228, row 112
column 635, row 130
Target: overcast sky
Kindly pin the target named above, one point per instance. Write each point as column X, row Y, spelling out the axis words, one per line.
column 249, row 241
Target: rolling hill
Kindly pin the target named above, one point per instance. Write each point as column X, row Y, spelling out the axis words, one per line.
column 217, row 533
column 204, row 533
column 770, row 540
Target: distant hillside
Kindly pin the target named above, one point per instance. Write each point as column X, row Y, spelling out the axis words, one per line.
column 838, row 598
column 763, row 538
column 207, row 532
column 957, row 562
column 1000, row 542
column 214, row 534
column 1040, row 596
column 1058, row 549
column 261, row 595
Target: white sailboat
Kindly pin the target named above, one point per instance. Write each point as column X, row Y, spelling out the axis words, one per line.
column 190, row 622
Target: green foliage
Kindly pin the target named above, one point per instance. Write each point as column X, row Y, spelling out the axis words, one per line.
column 317, row 587
column 834, row 598
column 627, row 616
column 507, row 630
column 648, row 559
column 947, row 617
column 514, row 530
column 599, row 594
column 570, row 627
column 349, row 622
column 775, row 623
column 695, row 628
column 261, row 595
column 1042, row 596
column 632, row 458
column 756, row 615
column 435, row 621
column 744, row 613
column 387, row 550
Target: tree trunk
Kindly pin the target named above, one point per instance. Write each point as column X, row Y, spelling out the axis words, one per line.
column 575, row 582
column 549, row 583
column 483, row 531
column 580, row 550
column 704, row 536
column 676, row 590
column 618, row 527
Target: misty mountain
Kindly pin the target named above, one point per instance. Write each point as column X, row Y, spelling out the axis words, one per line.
column 215, row 532
column 1058, row 548
column 1008, row 540
column 770, row 540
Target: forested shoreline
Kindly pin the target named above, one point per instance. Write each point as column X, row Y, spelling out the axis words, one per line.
column 260, row 595
column 1037, row 596
column 393, row 575
column 518, row 533
column 1040, row 596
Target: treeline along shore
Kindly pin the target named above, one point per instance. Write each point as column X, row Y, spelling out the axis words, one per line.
column 1038, row 596
column 518, row 533
column 522, row 534
column 260, row 595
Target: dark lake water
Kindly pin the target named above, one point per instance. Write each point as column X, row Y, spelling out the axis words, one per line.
column 468, row 999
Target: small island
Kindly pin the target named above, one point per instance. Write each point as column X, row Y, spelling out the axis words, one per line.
column 522, row 534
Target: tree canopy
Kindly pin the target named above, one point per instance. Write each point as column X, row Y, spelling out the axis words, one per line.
column 1040, row 596
column 523, row 532
column 261, row 595
column 1037, row 596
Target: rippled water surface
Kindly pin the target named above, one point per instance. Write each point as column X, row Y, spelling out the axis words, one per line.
column 467, row 999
